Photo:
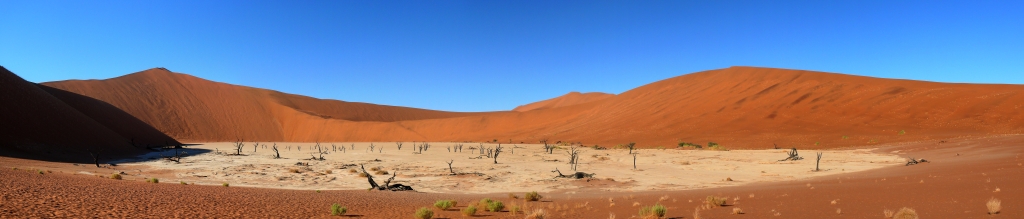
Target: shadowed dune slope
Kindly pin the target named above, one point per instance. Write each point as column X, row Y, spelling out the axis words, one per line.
column 738, row 107
column 64, row 126
column 572, row 98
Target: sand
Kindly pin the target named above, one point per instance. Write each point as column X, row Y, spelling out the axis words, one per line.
column 521, row 168
column 572, row 98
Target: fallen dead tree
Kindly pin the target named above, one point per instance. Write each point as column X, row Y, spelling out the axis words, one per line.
column 577, row 175
column 793, row 155
column 913, row 161
column 177, row 156
column 387, row 183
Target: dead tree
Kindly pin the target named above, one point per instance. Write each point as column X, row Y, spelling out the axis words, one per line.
column 238, row 147
column 634, row 160
column 277, row 155
column 176, row 157
column 776, row 145
column 793, row 155
column 254, row 146
column 400, row 145
column 369, row 177
column 319, row 151
column 458, row 147
column 371, row 147
column 95, row 157
column 450, row 166
column 482, row 148
column 816, row 163
column 573, row 157
column 548, row 148
column 913, row 161
column 497, row 151
column 631, row 146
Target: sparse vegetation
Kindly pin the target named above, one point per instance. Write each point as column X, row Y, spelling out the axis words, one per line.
column 513, row 196
column 514, row 210
column 537, row 214
column 905, row 213
column 888, row 213
column 115, row 176
column 225, row 184
column 469, row 211
column 737, row 211
column 714, row 201
column 338, row 210
column 994, row 205
column 364, row 175
column 183, row 182
column 533, row 196
column 444, row 205
column 687, row 144
column 424, row 213
column 656, row 211
column 153, row 180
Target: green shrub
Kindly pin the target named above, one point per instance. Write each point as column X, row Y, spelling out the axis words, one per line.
column 495, row 206
column 183, row 183
column 225, row 184
column 533, row 196
column 338, row 210
column 687, row 144
column 153, row 180
column 469, row 211
column 424, row 213
column 484, row 202
column 115, row 176
column 659, row 210
column 443, row 204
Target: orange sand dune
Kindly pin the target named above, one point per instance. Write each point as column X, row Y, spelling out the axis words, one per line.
column 39, row 120
column 572, row 98
column 738, row 107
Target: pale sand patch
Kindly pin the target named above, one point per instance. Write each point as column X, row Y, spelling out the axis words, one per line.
column 524, row 168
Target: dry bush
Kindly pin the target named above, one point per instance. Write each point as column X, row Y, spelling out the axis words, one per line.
column 352, row 170
column 888, row 213
column 183, row 183
column 328, row 172
column 495, row 206
column 225, row 184
column 714, row 201
column 375, row 168
column 294, row 170
column 444, row 205
column 656, row 211
column 514, row 210
column 538, row 214
column 994, row 205
column 512, row 196
column 364, row 175
column 115, row 176
column 533, row 196
column 338, row 210
column 424, row 213
column 153, row 180
column 905, row 213
column 469, row 211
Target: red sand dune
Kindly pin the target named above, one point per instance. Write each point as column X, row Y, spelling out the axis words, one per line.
column 64, row 126
column 738, row 107
column 572, row 98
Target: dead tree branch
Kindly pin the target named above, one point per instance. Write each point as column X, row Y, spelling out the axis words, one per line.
column 793, row 155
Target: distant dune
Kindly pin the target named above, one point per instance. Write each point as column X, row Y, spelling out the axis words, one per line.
column 572, row 98
column 738, row 107
column 51, row 124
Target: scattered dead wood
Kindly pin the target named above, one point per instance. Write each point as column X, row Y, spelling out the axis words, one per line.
column 387, row 183
column 793, row 155
column 176, row 157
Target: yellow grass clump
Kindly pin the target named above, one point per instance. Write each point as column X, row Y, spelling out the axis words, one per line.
column 905, row 213
column 994, row 205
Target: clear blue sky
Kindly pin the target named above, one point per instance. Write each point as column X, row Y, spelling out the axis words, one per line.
column 495, row 55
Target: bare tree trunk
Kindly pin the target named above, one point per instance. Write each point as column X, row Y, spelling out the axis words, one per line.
column 634, row 161
column 817, row 162
column 450, row 166
column 95, row 157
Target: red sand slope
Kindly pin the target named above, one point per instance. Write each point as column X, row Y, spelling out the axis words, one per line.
column 738, row 107
column 572, row 98
column 39, row 120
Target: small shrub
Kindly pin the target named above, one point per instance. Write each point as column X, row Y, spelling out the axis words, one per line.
column 533, row 196
column 338, row 210
column 514, row 210
column 364, row 175
column 443, row 204
column 294, row 170
column 513, row 196
column 905, row 213
column 183, row 182
column 317, row 191
column 469, row 211
column 737, row 211
column 40, row 172
column 538, row 214
column 484, row 202
column 115, row 176
column 715, row 201
column 424, row 213
column 495, row 206
column 994, row 205
column 153, row 180
column 352, row 170
column 225, row 184
column 656, row 211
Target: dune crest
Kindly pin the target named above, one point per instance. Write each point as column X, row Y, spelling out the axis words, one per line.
column 572, row 98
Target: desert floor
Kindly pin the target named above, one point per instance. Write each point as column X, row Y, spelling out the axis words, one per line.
column 962, row 175
column 521, row 168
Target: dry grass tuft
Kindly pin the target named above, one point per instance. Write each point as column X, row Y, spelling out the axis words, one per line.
column 636, row 204
column 352, row 170
column 469, row 211
column 737, row 211
column 294, row 170
column 839, row 211
column 328, row 172
column 364, row 175
column 115, row 176
column 696, row 213
column 533, row 196
column 513, row 196
column 888, row 213
column 538, row 214
column 611, row 204
column 714, row 201
column 663, row 198
column 994, row 205
column 905, row 213
column 375, row 168
column 834, row 202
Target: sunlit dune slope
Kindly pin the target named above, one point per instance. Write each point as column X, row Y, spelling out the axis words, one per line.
column 572, row 98
column 738, row 107
column 49, row 124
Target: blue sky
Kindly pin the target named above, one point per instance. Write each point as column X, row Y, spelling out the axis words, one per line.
column 495, row 55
